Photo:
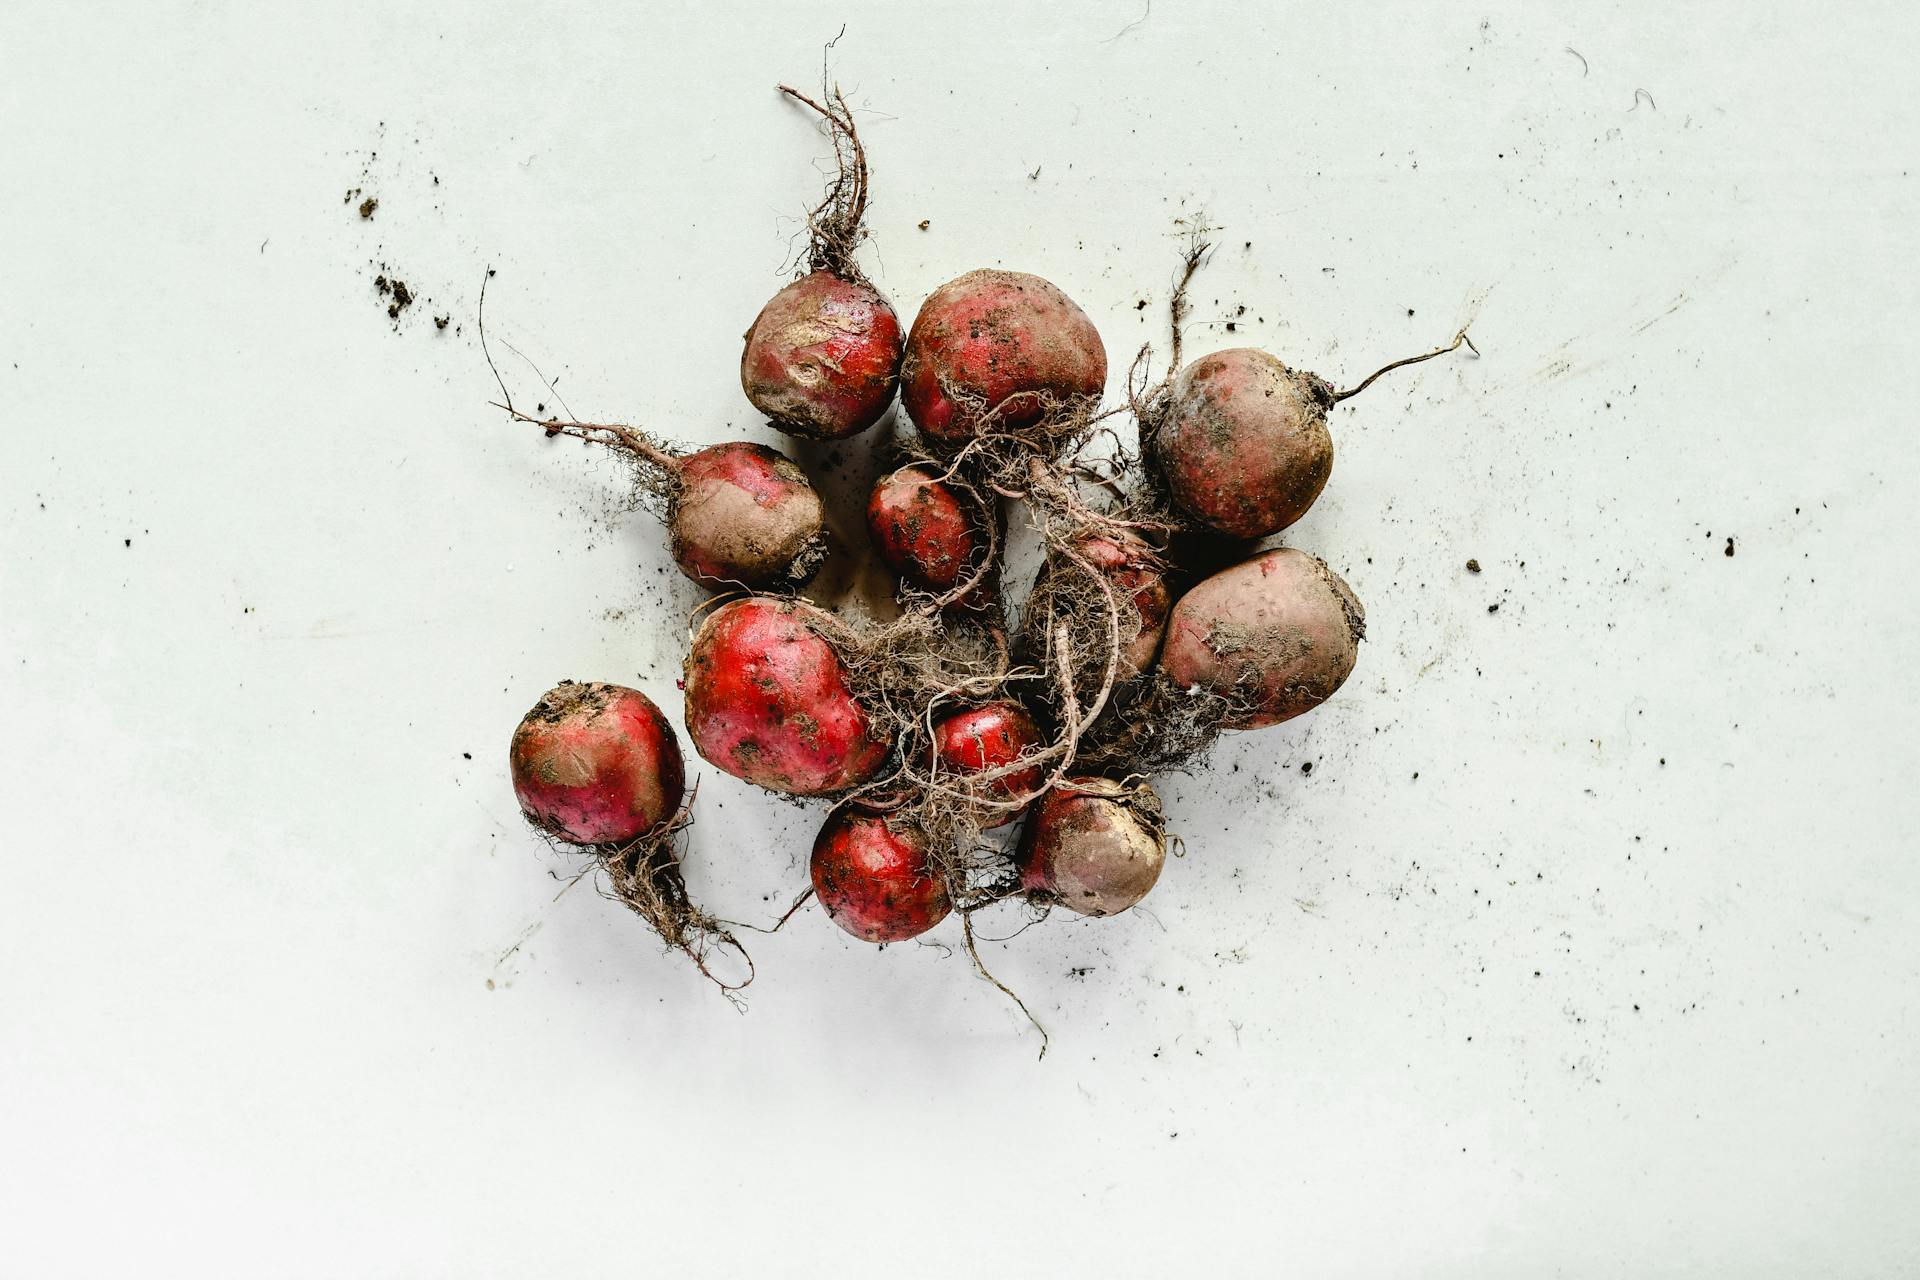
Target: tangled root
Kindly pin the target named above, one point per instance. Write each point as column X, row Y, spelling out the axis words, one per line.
column 644, row 876
column 837, row 225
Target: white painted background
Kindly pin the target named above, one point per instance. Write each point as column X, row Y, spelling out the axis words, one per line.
column 284, row 990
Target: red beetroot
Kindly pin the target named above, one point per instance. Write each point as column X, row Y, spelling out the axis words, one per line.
column 998, row 342
column 745, row 515
column 875, row 877
column 768, row 700
column 924, row 529
column 987, row 738
column 822, row 359
column 596, row 764
column 1244, row 446
column 1093, row 846
column 1276, row 635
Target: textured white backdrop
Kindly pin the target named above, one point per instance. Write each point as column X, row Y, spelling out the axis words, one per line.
column 1622, row 983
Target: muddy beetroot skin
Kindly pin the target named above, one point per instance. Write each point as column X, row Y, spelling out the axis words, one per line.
column 990, row 737
column 822, row 359
column 997, row 338
column 1244, row 446
column 875, row 879
column 1135, row 573
column 1093, row 846
column 925, row 531
column 1276, row 634
column 767, row 700
column 596, row 764
column 746, row 516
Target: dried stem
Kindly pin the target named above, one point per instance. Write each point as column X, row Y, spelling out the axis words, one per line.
column 1458, row 338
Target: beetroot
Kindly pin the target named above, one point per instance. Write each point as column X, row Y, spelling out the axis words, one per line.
column 925, row 530
column 822, row 359
column 596, row 764
column 1241, row 441
column 768, row 700
column 1243, row 447
column 744, row 515
column 998, row 350
column 875, row 877
column 1093, row 846
column 1274, row 636
column 984, row 739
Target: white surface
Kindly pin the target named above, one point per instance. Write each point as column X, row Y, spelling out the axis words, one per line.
column 287, row 992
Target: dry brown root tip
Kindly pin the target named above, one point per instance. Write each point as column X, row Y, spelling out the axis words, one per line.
column 973, row 952
column 1199, row 249
column 838, row 224
column 805, row 897
column 1335, row 397
column 644, row 876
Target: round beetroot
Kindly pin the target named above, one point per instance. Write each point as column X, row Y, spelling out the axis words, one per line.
column 596, row 764
column 924, row 529
column 986, row 738
column 1243, row 446
column 745, row 515
column 1274, row 635
column 1000, row 343
column 1093, row 846
column 822, row 359
column 768, row 700
column 876, row 878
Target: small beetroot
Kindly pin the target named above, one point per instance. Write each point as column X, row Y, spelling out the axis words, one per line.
column 985, row 739
column 998, row 350
column 823, row 357
column 875, row 877
column 1241, row 442
column 1093, row 846
column 1274, row 636
column 596, row 764
column 926, row 530
column 768, row 700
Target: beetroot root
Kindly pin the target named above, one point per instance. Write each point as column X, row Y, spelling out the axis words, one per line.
column 1274, row 636
column 926, row 530
column 745, row 515
column 1241, row 440
column 596, row 764
column 875, row 877
column 1243, row 445
column 988, row 738
column 1093, row 846
column 998, row 350
column 1134, row 573
column 768, row 700
column 822, row 359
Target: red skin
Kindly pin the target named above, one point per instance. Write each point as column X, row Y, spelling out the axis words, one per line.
column 997, row 338
column 1280, row 632
column 876, row 879
column 1133, row 569
column 1092, row 848
column 925, row 531
column 986, row 738
column 596, row 764
column 1244, row 446
column 767, row 701
column 745, row 515
column 822, row 359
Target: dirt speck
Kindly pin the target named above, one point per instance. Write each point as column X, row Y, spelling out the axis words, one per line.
column 1473, row 566
column 367, row 207
column 1729, row 551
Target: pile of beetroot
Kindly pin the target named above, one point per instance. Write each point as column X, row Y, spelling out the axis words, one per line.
column 1152, row 626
